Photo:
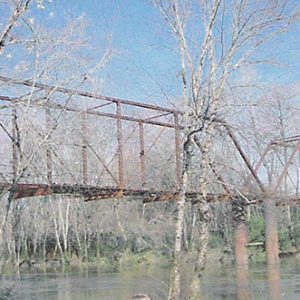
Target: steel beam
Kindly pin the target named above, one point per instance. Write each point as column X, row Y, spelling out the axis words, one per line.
column 142, row 155
column 94, row 113
column 59, row 89
column 48, row 151
column 84, row 148
column 286, row 167
column 120, row 147
column 284, row 141
column 244, row 157
column 15, row 142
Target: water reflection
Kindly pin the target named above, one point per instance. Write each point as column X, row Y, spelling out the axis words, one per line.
column 274, row 281
column 90, row 283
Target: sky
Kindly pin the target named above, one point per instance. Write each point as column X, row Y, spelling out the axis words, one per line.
column 145, row 57
column 145, row 65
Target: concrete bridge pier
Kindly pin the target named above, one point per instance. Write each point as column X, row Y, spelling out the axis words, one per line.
column 272, row 249
column 241, row 254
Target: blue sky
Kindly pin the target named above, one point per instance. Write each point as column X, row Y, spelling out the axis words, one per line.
column 145, row 66
column 145, row 59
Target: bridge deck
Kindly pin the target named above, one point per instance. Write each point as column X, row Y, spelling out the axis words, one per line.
column 91, row 193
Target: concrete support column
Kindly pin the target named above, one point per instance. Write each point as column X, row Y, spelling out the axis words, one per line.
column 272, row 249
column 241, row 254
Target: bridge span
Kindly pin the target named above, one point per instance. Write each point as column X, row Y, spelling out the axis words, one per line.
column 57, row 140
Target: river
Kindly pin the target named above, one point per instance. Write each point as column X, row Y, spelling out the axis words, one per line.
column 92, row 283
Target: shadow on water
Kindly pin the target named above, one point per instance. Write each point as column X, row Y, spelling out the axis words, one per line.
column 91, row 283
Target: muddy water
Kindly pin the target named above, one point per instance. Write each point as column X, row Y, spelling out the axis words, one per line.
column 92, row 283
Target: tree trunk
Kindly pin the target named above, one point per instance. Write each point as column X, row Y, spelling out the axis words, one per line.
column 175, row 286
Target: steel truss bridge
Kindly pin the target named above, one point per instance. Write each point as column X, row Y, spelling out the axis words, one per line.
column 57, row 140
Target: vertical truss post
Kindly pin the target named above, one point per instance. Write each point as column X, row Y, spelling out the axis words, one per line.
column 120, row 146
column 177, row 149
column 142, row 154
column 15, row 142
column 241, row 255
column 48, row 151
column 84, row 148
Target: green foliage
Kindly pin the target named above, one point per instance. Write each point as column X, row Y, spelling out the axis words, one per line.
column 288, row 239
column 215, row 241
column 257, row 254
column 256, row 229
column 148, row 258
column 297, row 234
column 257, row 233
column 285, row 242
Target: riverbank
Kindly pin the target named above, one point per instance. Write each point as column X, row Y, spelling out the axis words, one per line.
column 128, row 260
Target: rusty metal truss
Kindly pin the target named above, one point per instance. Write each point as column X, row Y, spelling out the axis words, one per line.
column 99, row 147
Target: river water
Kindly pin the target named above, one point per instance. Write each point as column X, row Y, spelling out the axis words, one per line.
column 92, row 283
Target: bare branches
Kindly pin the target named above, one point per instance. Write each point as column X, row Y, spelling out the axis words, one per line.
column 20, row 8
column 216, row 39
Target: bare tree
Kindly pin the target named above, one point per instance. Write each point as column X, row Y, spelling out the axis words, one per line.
column 215, row 39
column 30, row 50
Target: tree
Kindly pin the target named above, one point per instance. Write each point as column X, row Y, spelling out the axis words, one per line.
column 215, row 39
column 34, row 51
